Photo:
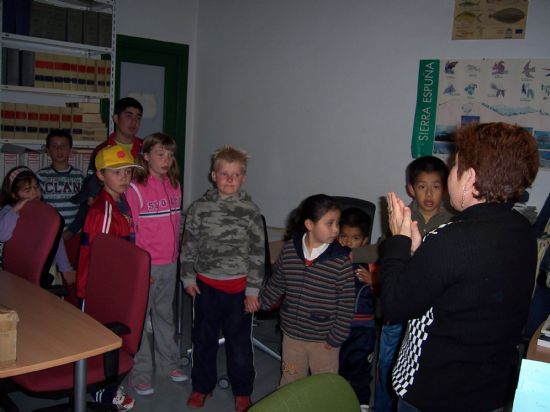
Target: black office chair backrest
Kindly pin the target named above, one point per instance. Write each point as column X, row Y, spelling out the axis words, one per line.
column 368, row 207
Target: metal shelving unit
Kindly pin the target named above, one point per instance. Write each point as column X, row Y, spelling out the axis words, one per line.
column 35, row 95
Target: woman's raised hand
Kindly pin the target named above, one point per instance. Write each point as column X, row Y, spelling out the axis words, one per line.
column 400, row 222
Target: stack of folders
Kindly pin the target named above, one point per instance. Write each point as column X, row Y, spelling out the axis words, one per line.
column 544, row 338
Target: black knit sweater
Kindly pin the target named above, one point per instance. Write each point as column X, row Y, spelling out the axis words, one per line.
column 466, row 293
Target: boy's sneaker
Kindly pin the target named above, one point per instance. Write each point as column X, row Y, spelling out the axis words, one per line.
column 122, row 400
column 364, row 408
column 196, row 399
column 177, row 375
column 242, row 403
column 144, row 389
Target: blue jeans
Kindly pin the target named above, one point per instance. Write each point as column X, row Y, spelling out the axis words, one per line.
column 390, row 338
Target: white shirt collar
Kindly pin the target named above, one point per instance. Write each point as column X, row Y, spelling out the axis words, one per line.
column 315, row 252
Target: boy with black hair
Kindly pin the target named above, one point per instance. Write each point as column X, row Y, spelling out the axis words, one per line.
column 60, row 180
column 426, row 184
column 127, row 115
column 356, row 352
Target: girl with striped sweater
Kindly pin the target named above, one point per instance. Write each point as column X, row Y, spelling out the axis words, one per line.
column 314, row 282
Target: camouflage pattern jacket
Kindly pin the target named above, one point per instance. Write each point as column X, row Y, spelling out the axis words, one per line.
column 224, row 240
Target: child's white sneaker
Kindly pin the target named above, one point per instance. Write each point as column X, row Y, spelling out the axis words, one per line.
column 364, row 408
column 177, row 375
column 144, row 389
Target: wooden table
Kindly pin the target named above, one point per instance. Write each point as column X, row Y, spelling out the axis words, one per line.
column 535, row 352
column 52, row 332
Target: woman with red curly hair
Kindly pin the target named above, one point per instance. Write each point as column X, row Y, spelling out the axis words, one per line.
column 465, row 288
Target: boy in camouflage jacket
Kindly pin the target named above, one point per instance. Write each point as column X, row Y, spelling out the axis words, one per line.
column 223, row 268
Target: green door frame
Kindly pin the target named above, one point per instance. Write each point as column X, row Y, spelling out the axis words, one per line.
column 175, row 58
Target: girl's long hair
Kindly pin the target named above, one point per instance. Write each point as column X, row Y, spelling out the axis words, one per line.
column 15, row 179
column 312, row 208
column 149, row 142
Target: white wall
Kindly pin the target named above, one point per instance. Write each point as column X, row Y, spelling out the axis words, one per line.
column 165, row 20
column 170, row 21
column 320, row 92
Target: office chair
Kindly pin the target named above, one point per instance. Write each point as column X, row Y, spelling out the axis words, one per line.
column 116, row 295
column 326, row 392
column 368, row 207
column 31, row 250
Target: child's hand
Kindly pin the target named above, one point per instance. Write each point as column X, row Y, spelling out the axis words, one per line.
column 69, row 277
column 251, row 304
column 364, row 275
column 193, row 290
column 19, row 205
column 328, row 347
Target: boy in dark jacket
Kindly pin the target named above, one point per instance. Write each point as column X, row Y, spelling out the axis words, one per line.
column 356, row 352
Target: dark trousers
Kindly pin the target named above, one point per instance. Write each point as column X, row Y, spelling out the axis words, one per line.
column 215, row 310
column 356, row 361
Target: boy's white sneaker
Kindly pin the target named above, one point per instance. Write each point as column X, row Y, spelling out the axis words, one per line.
column 143, row 389
column 177, row 375
column 364, row 408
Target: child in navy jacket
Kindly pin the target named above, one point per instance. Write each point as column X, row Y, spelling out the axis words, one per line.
column 356, row 352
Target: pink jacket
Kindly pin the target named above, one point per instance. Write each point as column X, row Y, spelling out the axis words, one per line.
column 156, row 212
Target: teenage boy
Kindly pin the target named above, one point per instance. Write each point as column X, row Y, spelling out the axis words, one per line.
column 60, row 181
column 426, row 184
column 223, row 268
column 356, row 352
column 127, row 119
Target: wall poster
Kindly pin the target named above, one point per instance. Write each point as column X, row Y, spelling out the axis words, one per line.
column 489, row 19
column 454, row 92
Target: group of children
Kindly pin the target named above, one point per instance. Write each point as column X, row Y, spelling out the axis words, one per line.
column 325, row 290
column 138, row 199
column 321, row 282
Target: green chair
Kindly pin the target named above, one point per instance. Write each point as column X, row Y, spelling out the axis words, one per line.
column 326, row 392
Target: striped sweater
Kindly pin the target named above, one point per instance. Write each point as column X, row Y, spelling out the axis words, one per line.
column 58, row 188
column 317, row 300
